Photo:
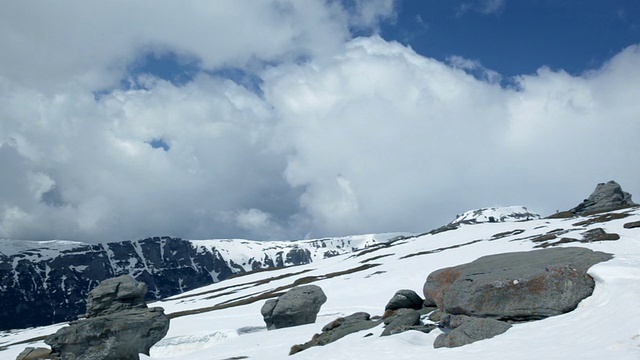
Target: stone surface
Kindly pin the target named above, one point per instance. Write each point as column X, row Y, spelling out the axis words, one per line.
column 401, row 321
column 119, row 326
column 516, row 286
column 337, row 329
column 298, row 306
column 32, row 353
column 118, row 336
column 607, row 196
column 116, row 294
column 405, row 299
column 471, row 329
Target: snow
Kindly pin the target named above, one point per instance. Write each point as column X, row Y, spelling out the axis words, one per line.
column 605, row 325
column 495, row 214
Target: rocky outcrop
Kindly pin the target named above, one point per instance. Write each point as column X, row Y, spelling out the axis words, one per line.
column 405, row 299
column 118, row 325
column 516, row 286
column 466, row 330
column 606, row 197
column 297, row 306
column 337, row 329
column 116, row 294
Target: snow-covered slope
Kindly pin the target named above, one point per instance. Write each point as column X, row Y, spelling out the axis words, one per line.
column 223, row 320
column 50, row 279
column 495, row 214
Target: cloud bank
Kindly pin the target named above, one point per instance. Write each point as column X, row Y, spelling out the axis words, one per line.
column 346, row 135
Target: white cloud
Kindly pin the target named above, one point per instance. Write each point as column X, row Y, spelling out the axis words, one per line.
column 364, row 136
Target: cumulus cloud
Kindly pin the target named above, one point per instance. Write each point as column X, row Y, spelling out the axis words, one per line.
column 364, row 135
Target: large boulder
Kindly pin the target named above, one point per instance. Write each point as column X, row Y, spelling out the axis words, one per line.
column 606, row 197
column 119, row 326
column 116, row 294
column 297, row 306
column 516, row 286
column 118, row 336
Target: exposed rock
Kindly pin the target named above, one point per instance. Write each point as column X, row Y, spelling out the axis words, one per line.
column 632, row 225
column 516, row 286
column 337, row 329
column 471, row 329
column 598, row 234
column 119, row 326
column 267, row 310
column 116, row 294
column 453, row 321
column 32, row 353
column 605, row 197
column 297, row 306
column 405, row 299
column 401, row 321
column 118, row 336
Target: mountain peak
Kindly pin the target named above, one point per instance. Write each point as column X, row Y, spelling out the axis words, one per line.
column 495, row 214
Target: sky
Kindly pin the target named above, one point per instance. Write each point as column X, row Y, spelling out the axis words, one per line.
column 283, row 119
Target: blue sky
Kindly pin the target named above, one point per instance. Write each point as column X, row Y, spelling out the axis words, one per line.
column 288, row 119
column 511, row 37
column 518, row 37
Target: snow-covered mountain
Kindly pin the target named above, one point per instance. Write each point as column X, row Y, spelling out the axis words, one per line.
column 223, row 320
column 49, row 280
column 495, row 214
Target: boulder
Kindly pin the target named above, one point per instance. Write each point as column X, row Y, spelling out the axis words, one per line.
column 470, row 329
column 405, row 299
column 606, row 197
column 401, row 321
column 516, row 286
column 337, row 329
column 297, row 306
column 116, row 294
column 118, row 336
column 119, row 326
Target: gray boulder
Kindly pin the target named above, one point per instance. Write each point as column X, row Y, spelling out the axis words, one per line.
column 297, row 306
column 606, row 197
column 516, row 286
column 119, row 326
column 405, row 299
column 401, row 321
column 337, row 329
column 116, row 294
column 118, row 336
column 470, row 329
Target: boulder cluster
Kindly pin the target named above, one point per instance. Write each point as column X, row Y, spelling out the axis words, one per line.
column 118, row 325
column 468, row 302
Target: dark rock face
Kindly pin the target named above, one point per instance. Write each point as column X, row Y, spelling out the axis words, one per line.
column 297, row 306
column 44, row 290
column 516, row 286
column 469, row 329
column 405, row 299
column 119, row 326
column 606, row 197
column 337, row 329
